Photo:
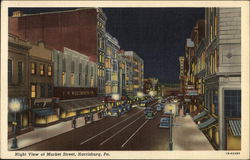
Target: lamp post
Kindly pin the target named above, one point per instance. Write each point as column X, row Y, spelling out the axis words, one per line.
column 14, row 107
column 170, row 134
column 116, row 97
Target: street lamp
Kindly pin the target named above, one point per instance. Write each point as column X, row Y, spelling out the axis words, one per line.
column 140, row 94
column 14, row 107
column 151, row 93
column 116, row 97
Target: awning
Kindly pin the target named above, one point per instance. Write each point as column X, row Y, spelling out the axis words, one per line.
column 200, row 115
column 43, row 111
column 206, row 123
column 80, row 104
column 235, row 126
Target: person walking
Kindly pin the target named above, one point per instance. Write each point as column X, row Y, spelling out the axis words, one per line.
column 74, row 122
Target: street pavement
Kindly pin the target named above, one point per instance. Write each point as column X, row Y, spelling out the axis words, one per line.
column 131, row 131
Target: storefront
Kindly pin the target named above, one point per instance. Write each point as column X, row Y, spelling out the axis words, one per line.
column 233, row 132
column 20, row 116
column 45, row 116
column 85, row 107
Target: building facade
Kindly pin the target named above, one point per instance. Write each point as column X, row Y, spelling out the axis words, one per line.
column 75, row 86
column 111, row 65
column 18, row 84
column 82, row 30
column 137, row 71
column 212, row 69
column 41, row 85
column 223, row 75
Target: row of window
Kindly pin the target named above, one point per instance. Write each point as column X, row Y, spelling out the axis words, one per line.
column 41, row 69
column 42, row 87
column 19, row 71
column 232, row 102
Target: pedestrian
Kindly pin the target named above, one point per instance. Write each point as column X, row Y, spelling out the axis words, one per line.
column 74, row 122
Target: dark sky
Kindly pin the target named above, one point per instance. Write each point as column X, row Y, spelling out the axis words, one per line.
column 157, row 35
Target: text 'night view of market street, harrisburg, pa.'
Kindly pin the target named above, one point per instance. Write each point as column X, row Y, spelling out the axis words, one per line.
column 124, row 79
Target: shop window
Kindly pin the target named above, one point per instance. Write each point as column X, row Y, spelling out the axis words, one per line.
column 20, row 72
column 42, row 88
column 10, row 71
column 42, row 69
column 33, row 68
column 33, row 90
column 49, row 70
column 232, row 103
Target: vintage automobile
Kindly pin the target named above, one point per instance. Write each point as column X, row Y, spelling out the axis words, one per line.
column 149, row 115
column 165, row 122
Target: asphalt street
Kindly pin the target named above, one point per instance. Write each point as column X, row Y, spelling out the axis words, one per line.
column 131, row 131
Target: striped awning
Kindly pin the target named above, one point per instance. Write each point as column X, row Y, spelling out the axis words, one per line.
column 43, row 111
column 235, row 126
column 207, row 123
column 200, row 115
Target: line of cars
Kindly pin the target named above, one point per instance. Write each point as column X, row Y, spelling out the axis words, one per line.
column 119, row 110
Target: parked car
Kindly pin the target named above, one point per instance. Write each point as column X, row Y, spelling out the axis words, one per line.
column 159, row 108
column 164, row 122
column 150, row 115
column 114, row 112
column 147, row 109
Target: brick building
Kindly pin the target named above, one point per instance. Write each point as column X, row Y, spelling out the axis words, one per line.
column 82, row 30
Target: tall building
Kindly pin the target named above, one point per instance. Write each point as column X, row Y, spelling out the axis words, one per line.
column 223, row 76
column 82, row 30
column 111, row 65
column 18, row 84
column 137, row 71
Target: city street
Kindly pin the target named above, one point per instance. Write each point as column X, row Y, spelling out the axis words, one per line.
column 131, row 131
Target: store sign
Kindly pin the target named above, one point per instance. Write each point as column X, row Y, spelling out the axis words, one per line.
column 43, row 100
column 73, row 93
column 191, row 92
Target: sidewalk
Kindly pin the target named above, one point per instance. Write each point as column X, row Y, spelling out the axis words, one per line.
column 40, row 134
column 187, row 136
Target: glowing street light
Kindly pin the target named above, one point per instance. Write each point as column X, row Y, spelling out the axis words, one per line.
column 140, row 94
column 151, row 93
column 116, row 97
column 14, row 107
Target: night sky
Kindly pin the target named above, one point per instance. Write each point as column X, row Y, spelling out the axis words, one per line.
column 157, row 35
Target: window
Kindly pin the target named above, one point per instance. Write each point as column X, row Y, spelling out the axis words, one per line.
column 79, row 79
column 33, row 68
column 72, row 66
column 63, row 78
column 92, row 81
column 215, row 102
column 42, row 69
column 33, row 91
column 72, row 79
column 20, row 72
column 50, row 91
column 42, row 87
column 86, row 75
column 232, row 103
column 10, row 71
column 49, row 70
